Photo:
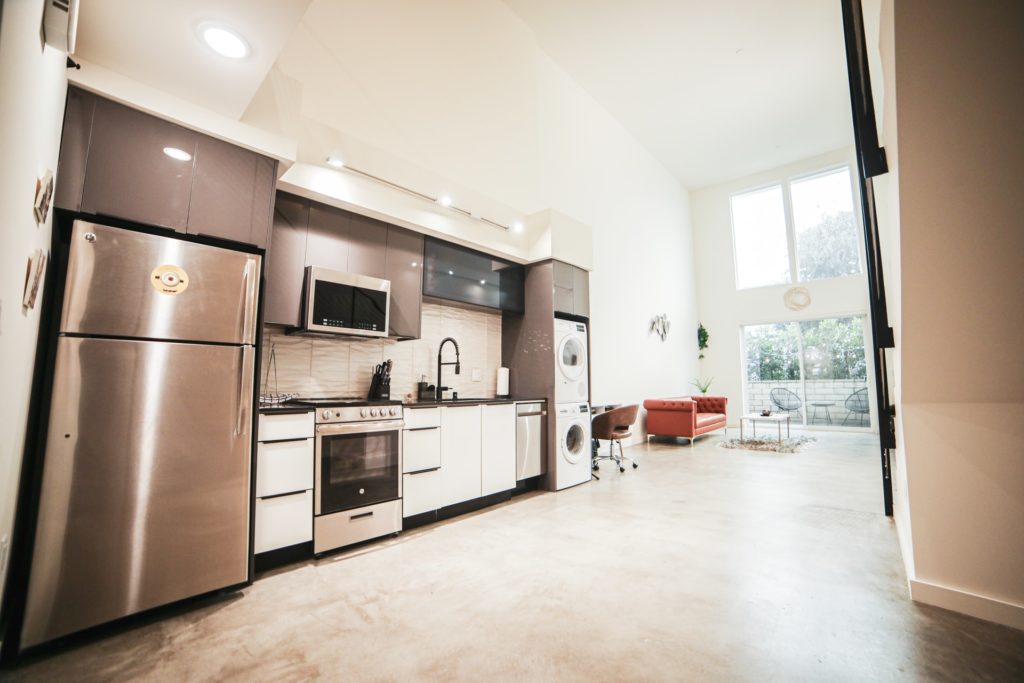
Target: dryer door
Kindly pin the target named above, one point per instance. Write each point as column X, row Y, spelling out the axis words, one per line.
column 572, row 358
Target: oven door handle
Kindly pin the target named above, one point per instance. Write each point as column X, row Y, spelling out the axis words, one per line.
column 360, row 427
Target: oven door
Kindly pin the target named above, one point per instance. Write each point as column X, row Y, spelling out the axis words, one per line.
column 358, row 464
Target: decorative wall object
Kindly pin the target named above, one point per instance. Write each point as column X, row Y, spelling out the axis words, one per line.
column 702, row 339
column 797, row 298
column 34, row 271
column 660, row 326
column 44, row 192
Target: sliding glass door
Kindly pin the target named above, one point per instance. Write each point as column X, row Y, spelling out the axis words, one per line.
column 815, row 370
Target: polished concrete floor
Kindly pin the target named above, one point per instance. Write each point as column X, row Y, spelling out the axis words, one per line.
column 704, row 564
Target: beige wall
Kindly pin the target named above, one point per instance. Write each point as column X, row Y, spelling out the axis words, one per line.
column 954, row 208
column 32, row 88
column 724, row 309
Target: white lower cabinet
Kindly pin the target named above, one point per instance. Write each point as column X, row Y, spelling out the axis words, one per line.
column 460, row 454
column 282, row 521
column 421, row 492
column 498, row 448
column 421, row 449
column 285, row 465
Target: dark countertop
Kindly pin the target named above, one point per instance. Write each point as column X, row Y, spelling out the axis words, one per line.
column 470, row 402
column 285, row 409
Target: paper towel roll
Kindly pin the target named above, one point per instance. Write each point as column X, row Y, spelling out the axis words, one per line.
column 502, row 389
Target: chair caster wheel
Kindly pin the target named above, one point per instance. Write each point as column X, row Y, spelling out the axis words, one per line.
column 635, row 466
column 622, row 469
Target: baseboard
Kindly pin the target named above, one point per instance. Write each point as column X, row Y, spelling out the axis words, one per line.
column 989, row 609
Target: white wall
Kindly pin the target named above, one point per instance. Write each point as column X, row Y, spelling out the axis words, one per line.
column 32, row 89
column 954, row 207
column 493, row 117
column 724, row 309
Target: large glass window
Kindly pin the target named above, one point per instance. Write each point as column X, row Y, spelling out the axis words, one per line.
column 825, row 227
column 759, row 233
column 799, row 230
column 815, row 370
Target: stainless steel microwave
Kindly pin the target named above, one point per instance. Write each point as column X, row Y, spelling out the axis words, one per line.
column 345, row 303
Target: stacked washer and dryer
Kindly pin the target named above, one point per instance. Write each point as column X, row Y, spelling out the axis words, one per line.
column 572, row 407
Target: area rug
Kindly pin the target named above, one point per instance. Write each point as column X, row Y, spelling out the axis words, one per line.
column 769, row 443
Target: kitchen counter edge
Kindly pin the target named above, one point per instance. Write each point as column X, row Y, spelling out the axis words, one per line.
column 470, row 402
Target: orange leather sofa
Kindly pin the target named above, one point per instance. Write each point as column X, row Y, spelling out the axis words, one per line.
column 687, row 417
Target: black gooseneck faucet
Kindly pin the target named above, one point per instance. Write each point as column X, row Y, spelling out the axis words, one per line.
column 457, row 364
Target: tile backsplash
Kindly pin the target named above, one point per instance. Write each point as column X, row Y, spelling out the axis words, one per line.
column 325, row 366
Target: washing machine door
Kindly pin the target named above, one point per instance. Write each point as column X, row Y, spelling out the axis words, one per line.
column 575, row 444
column 572, row 358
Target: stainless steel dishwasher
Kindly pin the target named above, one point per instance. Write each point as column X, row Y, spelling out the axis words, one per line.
column 529, row 440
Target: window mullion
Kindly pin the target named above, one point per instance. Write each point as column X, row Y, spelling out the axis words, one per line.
column 787, row 203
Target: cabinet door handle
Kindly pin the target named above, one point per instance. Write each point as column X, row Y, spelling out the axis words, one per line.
column 361, row 516
column 420, row 429
column 540, row 413
column 432, row 469
column 280, row 495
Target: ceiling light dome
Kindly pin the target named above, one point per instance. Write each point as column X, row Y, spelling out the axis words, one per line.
column 224, row 41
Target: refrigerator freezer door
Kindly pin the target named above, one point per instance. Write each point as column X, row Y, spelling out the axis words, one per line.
column 145, row 495
column 130, row 284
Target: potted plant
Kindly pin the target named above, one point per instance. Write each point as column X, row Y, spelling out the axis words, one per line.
column 702, row 339
column 702, row 384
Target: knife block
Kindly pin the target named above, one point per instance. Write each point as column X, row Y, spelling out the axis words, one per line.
column 379, row 390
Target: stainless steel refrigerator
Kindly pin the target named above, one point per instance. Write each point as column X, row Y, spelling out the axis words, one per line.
column 146, row 471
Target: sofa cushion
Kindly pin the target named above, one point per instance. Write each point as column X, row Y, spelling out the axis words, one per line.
column 706, row 419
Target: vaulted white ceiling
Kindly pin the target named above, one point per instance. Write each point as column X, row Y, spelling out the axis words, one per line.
column 714, row 89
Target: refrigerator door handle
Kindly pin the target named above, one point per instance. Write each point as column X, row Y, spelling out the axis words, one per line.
column 246, row 370
column 247, row 326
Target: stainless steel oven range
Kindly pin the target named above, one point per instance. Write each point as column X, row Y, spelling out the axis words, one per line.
column 357, row 491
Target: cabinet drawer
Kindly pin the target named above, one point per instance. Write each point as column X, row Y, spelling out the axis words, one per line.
column 421, row 492
column 287, row 426
column 417, row 418
column 284, row 467
column 283, row 521
column 421, row 449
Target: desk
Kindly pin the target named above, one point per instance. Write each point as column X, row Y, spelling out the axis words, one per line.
column 754, row 418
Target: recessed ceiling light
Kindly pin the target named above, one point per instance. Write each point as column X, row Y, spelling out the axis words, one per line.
column 517, row 227
column 224, row 41
column 444, row 200
column 178, row 154
column 451, row 272
column 483, row 282
column 413, row 264
column 335, row 162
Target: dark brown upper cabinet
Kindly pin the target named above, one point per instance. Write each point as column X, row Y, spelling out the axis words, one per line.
column 368, row 243
column 571, row 289
column 327, row 238
column 307, row 233
column 286, row 261
column 119, row 162
column 405, row 271
column 232, row 195
column 133, row 170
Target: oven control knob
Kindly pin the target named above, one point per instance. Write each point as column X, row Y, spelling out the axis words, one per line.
column 373, row 412
column 394, row 411
column 327, row 414
column 364, row 412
